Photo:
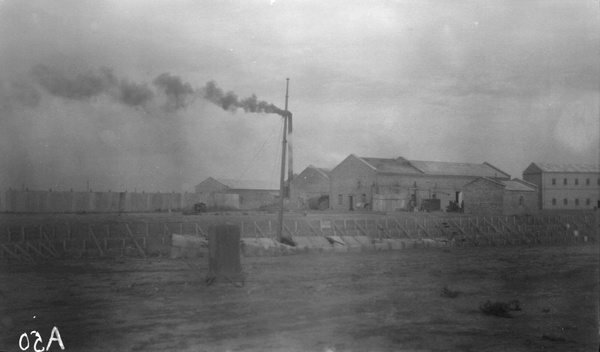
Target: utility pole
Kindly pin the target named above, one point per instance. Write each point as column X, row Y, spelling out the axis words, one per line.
column 282, row 178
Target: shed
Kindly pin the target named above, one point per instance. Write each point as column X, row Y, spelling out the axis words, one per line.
column 485, row 196
column 252, row 194
column 310, row 189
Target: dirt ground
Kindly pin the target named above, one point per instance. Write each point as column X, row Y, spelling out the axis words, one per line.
column 356, row 301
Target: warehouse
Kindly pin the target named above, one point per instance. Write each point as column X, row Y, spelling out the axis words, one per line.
column 565, row 186
column 485, row 196
column 398, row 184
column 252, row 194
column 310, row 189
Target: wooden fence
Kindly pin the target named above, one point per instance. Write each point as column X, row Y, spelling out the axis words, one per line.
column 143, row 239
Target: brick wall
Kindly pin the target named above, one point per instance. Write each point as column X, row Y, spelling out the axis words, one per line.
column 308, row 184
column 482, row 197
column 520, row 203
column 351, row 178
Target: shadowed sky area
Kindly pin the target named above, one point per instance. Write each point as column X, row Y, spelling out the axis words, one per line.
column 159, row 95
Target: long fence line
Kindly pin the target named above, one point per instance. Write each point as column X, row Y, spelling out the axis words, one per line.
column 37, row 202
column 142, row 239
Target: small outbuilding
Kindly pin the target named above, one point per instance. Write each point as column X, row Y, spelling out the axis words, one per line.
column 485, row 196
column 252, row 194
column 310, row 189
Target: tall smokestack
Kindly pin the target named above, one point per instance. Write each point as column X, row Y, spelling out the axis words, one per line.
column 289, row 131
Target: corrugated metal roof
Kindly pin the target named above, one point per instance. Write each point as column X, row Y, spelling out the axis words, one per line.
column 457, row 169
column 249, row 184
column 548, row 167
column 390, row 165
column 514, row 185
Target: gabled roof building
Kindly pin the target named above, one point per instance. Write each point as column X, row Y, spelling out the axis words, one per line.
column 252, row 194
column 389, row 184
column 310, row 189
column 484, row 196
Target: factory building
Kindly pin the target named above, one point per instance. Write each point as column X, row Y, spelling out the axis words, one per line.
column 310, row 189
column 565, row 186
column 485, row 196
column 398, row 184
column 252, row 194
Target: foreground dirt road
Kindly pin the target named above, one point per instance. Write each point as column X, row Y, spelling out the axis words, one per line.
column 359, row 301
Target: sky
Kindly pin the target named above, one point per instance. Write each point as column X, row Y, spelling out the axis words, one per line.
column 148, row 95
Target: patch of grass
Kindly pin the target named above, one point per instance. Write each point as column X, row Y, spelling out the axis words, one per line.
column 500, row 309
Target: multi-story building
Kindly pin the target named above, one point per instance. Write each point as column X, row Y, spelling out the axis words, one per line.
column 565, row 186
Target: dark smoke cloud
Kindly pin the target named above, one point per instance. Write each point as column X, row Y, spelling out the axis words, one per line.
column 230, row 101
column 80, row 87
column 178, row 94
column 134, row 94
column 84, row 86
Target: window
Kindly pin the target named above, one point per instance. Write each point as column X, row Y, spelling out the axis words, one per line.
column 587, row 181
column 565, row 202
column 577, row 201
column 553, row 181
column 565, row 182
column 340, row 199
column 521, row 201
column 553, row 201
column 587, row 201
column 576, row 182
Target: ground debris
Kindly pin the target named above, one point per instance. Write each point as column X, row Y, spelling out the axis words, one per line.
column 500, row 309
column 447, row 292
column 555, row 338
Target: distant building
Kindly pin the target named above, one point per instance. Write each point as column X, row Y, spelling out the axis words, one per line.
column 485, row 196
column 310, row 189
column 388, row 184
column 565, row 186
column 252, row 194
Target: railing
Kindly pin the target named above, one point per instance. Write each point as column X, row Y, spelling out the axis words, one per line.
column 146, row 238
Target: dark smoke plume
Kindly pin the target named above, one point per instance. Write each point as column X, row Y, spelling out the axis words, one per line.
column 179, row 94
column 86, row 85
column 230, row 101
column 82, row 86
column 134, row 94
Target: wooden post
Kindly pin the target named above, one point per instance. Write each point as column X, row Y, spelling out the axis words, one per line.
column 140, row 250
column 91, row 232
